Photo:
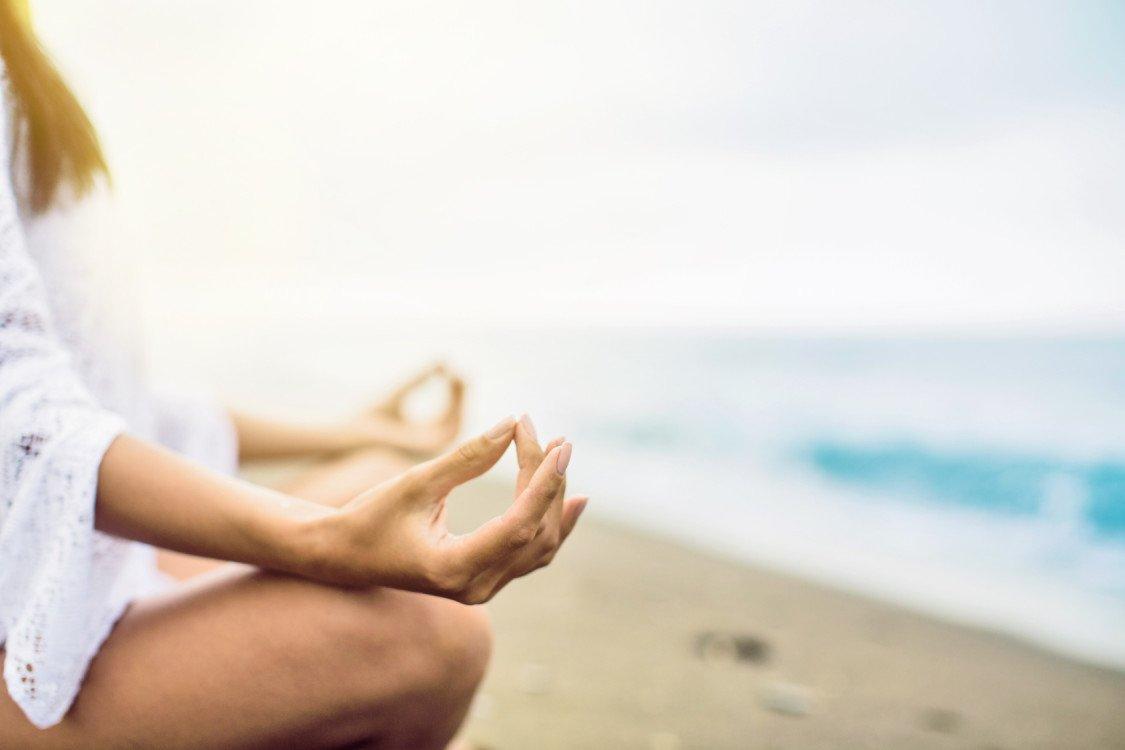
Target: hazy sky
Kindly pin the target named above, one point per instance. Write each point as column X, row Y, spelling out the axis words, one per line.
column 777, row 164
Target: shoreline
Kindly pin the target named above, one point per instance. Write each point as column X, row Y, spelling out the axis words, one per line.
column 945, row 600
column 635, row 641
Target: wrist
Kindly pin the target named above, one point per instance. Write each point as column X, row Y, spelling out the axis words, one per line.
column 355, row 436
column 372, row 432
column 319, row 550
column 287, row 534
column 386, row 433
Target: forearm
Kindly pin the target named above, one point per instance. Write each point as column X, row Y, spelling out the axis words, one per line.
column 394, row 534
column 264, row 438
column 261, row 438
column 148, row 494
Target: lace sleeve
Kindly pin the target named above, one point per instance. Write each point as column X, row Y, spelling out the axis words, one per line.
column 61, row 582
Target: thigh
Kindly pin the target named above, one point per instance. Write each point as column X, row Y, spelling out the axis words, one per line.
column 241, row 658
column 333, row 481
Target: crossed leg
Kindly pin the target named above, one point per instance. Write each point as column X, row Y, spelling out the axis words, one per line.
column 240, row 658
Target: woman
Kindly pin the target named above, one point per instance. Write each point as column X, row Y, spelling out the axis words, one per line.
column 350, row 623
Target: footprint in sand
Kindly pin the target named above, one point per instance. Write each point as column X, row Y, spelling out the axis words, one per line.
column 715, row 646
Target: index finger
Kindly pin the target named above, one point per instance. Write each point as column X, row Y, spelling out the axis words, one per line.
column 528, row 453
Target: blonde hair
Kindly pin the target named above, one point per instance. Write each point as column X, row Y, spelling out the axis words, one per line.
column 62, row 145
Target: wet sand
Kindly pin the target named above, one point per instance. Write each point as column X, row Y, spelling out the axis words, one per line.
column 628, row 641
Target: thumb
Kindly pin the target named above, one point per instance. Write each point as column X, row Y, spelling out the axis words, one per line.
column 468, row 460
column 528, row 453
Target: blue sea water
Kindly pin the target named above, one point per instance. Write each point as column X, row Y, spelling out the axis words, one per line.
column 998, row 481
column 979, row 479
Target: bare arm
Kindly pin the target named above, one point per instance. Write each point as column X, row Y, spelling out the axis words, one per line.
column 383, row 425
column 392, row 535
column 152, row 495
column 266, row 438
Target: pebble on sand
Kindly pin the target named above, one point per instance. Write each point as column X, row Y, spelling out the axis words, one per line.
column 940, row 720
column 785, row 698
column 713, row 646
column 535, row 679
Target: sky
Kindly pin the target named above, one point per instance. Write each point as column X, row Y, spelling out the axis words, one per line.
column 778, row 165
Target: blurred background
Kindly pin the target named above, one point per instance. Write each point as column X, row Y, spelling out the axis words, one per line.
column 834, row 290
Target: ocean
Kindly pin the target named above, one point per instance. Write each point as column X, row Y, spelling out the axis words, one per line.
column 981, row 480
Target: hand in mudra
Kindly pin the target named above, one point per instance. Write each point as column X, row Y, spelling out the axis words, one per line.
column 396, row 535
column 388, row 420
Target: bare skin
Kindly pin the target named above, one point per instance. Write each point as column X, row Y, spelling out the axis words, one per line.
column 382, row 425
column 249, row 659
column 331, row 650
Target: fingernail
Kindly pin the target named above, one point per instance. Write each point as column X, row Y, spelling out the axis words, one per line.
column 563, row 458
column 527, row 425
column 501, row 427
column 581, row 508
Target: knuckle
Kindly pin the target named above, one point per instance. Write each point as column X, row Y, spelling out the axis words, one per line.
column 545, row 545
column 449, row 580
column 531, row 454
column 523, row 534
column 413, row 479
column 469, row 451
column 528, row 459
column 477, row 594
column 543, row 494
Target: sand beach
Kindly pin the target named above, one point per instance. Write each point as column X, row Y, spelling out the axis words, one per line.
column 630, row 641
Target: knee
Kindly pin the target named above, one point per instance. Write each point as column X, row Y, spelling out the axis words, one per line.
column 428, row 647
column 439, row 654
column 457, row 642
column 478, row 637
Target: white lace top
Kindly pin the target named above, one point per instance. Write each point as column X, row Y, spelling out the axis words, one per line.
column 69, row 384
